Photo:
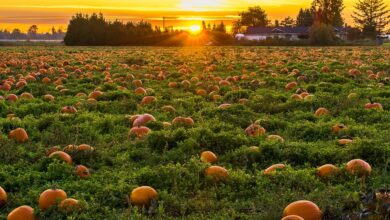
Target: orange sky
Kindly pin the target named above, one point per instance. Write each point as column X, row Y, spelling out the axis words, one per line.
column 48, row 13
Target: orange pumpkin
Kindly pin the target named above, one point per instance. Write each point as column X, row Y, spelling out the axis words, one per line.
column 274, row 137
column 52, row 150
column 95, row 94
column 61, row 156
column 141, row 120
column 338, row 127
column 208, row 156
column 50, row 198
column 217, row 173
column 143, row 196
column 85, row 147
column 321, row 111
column 305, row 209
column 137, row 83
column 147, row 100
column 3, row 197
column 19, row 135
column 169, row 108
column 273, row 168
column 139, row 132
column 290, row 86
column 327, row 170
column 292, row 217
column 358, row 167
column 82, row 171
column 344, row 141
column 255, row 130
column 69, row 205
column 225, row 106
column 183, row 120
column 140, row 91
column 27, row 96
column 12, row 98
column 69, row 110
column 22, row 213
column 48, row 98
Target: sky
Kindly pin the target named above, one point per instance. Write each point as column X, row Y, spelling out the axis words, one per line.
column 181, row 13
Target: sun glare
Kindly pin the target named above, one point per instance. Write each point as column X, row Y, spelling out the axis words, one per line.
column 200, row 5
column 195, row 29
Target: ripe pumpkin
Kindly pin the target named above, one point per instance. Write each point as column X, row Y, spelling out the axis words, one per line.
column 69, row 110
column 51, row 197
column 169, row 108
column 22, row 213
column 3, row 197
column 358, row 167
column 273, row 168
column 147, row 100
column 217, row 173
column 69, row 205
column 296, row 97
column 139, row 132
column 141, row 120
column 290, row 86
column 305, row 209
column 373, row 105
column 143, row 196
column 62, row 156
column 12, row 98
column 95, row 94
column 321, row 111
column 292, row 217
column 344, row 141
column 19, row 135
column 274, row 137
column 183, row 120
column 27, row 96
column 48, row 98
column 82, row 171
column 52, row 150
column 140, row 91
column 254, row 130
column 85, row 147
column 327, row 170
column 137, row 83
column 225, row 106
column 338, row 127
column 208, row 156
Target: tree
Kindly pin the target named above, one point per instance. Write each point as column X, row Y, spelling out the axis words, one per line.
column 204, row 27
column 305, row 18
column 276, row 24
column 287, row 22
column 321, row 34
column 371, row 16
column 32, row 31
column 329, row 11
column 254, row 16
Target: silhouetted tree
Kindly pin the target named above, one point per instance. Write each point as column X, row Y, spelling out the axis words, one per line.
column 254, row 16
column 371, row 16
column 329, row 11
column 287, row 22
column 305, row 18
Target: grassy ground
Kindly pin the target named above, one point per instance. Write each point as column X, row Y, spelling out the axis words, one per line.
column 168, row 158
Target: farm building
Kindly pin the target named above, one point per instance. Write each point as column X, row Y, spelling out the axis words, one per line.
column 290, row 33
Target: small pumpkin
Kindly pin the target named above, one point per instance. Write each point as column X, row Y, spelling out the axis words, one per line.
column 139, row 132
column 143, row 196
column 321, row 111
column 69, row 205
column 216, row 173
column 358, row 167
column 305, row 209
column 22, row 213
column 327, row 170
column 82, row 171
column 254, row 130
column 208, row 156
column 19, row 134
column 61, row 156
column 69, row 110
column 3, row 197
column 273, row 168
column 51, row 197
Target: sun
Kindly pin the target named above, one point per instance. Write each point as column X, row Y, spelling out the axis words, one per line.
column 194, row 29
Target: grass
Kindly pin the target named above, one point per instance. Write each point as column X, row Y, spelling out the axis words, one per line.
column 168, row 158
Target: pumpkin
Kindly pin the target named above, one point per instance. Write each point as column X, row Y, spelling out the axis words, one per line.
column 141, row 120
column 147, row 100
column 27, row 96
column 225, row 106
column 22, row 213
column 183, row 120
column 51, row 197
column 201, row 92
column 321, row 111
column 338, row 127
column 296, row 97
column 172, row 84
column 358, row 167
column 327, row 170
column 274, row 137
column 290, row 86
column 208, row 156
column 12, row 98
column 344, row 141
column 69, row 205
column 69, row 110
column 70, row 147
column 216, row 173
column 3, row 197
column 137, row 83
column 52, row 150
column 82, row 171
column 95, row 94
column 168, row 108
column 373, row 105
column 254, row 130
column 19, row 135
column 61, row 156
column 292, row 217
column 305, row 209
column 48, row 98
column 273, row 168
column 143, row 196
column 85, row 147
column 140, row 91
column 139, row 132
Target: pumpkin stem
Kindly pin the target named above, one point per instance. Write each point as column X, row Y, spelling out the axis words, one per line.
column 369, row 98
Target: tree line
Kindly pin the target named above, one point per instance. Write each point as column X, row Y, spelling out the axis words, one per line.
column 370, row 17
column 32, row 34
column 95, row 30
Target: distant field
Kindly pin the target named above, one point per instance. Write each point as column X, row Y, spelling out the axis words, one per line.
column 253, row 107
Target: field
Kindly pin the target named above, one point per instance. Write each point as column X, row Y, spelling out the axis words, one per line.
column 253, row 83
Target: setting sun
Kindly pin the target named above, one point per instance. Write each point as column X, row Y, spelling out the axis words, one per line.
column 195, row 29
